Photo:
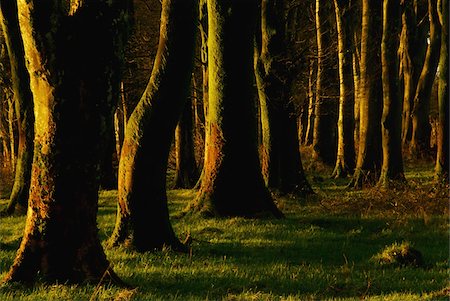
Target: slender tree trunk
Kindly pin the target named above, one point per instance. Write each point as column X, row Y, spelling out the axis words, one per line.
column 356, row 89
column 311, row 104
column 23, row 100
column 186, row 168
column 232, row 183
column 442, row 159
column 11, row 133
column 345, row 160
column 323, row 134
column 142, row 206
column 392, row 167
column 421, row 129
column 73, row 105
column 369, row 149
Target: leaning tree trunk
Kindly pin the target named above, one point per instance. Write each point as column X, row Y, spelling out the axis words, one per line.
column 281, row 163
column 345, row 159
column 232, row 182
column 73, row 105
column 24, row 106
column 392, row 167
column 442, row 160
column 369, row 149
column 142, row 208
column 421, row 129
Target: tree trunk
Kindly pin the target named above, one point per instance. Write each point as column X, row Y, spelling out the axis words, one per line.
column 311, row 104
column 369, row 149
column 442, row 160
column 11, row 133
column 392, row 167
column 345, row 160
column 421, row 129
column 282, row 167
column 232, row 183
column 324, row 144
column 142, row 206
column 186, row 174
column 72, row 108
column 23, row 100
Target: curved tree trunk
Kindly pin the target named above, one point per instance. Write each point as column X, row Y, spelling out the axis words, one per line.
column 142, row 206
column 72, row 108
column 421, row 128
column 345, row 160
column 23, row 100
column 369, row 149
column 232, row 182
column 442, row 160
column 392, row 167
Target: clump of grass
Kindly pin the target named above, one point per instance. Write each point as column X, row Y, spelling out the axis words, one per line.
column 399, row 254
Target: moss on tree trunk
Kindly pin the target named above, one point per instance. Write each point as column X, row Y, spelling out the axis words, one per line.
column 232, row 183
column 73, row 104
column 142, row 211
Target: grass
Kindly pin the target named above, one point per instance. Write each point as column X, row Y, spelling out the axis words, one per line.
column 321, row 251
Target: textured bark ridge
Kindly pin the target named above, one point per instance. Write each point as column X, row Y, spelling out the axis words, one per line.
column 232, row 183
column 143, row 214
column 72, row 59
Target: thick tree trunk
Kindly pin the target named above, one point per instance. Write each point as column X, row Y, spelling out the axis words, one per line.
column 324, row 142
column 442, row 158
column 232, row 182
column 73, row 105
column 282, row 167
column 392, row 167
column 345, row 160
column 24, row 106
column 421, row 129
column 369, row 149
column 186, row 174
column 142, row 212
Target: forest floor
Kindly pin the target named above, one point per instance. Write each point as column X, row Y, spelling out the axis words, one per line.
column 323, row 250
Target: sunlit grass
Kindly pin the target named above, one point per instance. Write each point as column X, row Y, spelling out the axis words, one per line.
column 321, row 251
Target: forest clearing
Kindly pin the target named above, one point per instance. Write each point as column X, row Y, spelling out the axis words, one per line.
column 323, row 250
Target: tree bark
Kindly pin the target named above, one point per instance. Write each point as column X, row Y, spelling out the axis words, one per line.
column 392, row 166
column 142, row 213
column 421, row 129
column 186, row 174
column 369, row 149
column 442, row 157
column 281, row 163
column 72, row 108
column 324, row 142
column 23, row 100
column 232, row 182
column 311, row 104
column 345, row 159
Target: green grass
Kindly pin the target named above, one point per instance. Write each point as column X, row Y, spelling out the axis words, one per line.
column 322, row 250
